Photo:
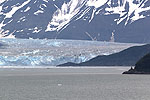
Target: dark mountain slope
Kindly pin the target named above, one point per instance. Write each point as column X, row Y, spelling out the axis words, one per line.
column 126, row 57
column 143, row 64
column 141, row 67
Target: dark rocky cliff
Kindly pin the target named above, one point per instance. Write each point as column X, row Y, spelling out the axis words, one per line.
column 141, row 67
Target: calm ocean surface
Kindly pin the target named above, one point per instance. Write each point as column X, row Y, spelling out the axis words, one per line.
column 73, row 84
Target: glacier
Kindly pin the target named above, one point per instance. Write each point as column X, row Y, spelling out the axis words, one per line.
column 51, row 52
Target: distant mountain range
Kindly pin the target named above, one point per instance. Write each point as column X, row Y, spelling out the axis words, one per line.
column 127, row 57
column 102, row 20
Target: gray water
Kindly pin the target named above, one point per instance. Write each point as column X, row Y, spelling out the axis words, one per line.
column 73, row 84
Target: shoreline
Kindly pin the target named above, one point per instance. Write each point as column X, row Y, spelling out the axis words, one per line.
column 55, row 67
column 62, row 71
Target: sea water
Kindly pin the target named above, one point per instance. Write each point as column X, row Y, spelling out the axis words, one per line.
column 73, row 84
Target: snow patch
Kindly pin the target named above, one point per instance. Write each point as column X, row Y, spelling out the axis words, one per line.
column 14, row 9
column 1, row 1
column 46, row 1
column 38, row 12
column 4, row 35
column 36, row 30
column 63, row 16
column 27, row 9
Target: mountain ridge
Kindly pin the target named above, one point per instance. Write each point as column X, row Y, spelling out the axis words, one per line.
column 127, row 57
column 126, row 20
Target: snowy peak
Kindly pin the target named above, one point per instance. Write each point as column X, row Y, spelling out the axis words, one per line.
column 75, row 19
column 128, row 10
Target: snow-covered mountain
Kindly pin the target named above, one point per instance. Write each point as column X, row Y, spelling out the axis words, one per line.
column 104, row 20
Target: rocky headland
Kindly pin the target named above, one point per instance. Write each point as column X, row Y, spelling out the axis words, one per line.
column 141, row 67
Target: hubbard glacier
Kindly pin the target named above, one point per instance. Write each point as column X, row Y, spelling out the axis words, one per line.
column 42, row 52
